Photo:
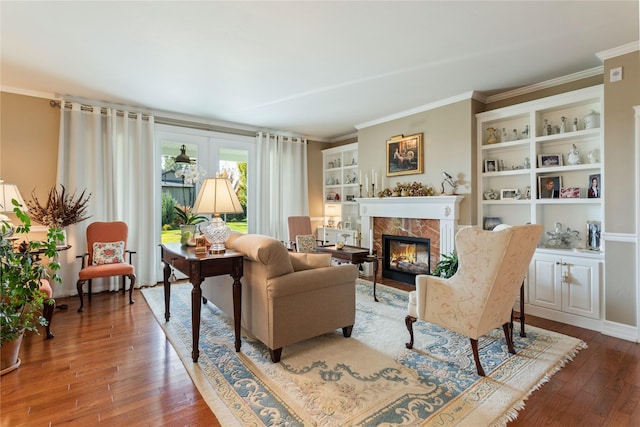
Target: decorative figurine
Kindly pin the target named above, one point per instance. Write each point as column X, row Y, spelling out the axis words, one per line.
column 573, row 157
column 515, row 134
column 545, row 128
column 492, row 135
column 594, row 156
column 505, row 138
column 525, row 132
column 575, row 124
column 527, row 163
column 563, row 122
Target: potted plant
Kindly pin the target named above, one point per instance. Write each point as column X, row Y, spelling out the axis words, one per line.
column 447, row 266
column 21, row 300
column 187, row 222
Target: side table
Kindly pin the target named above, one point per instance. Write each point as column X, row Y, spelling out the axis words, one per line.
column 354, row 255
column 198, row 267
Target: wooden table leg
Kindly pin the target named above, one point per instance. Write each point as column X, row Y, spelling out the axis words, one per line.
column 167, row 290
column 375, row 276
column 196, row 306
column 522, row 333
column 237, row 300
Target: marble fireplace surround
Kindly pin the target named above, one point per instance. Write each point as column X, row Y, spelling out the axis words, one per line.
column 434, row 218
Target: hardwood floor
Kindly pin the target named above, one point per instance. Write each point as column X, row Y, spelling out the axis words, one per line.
column 112, row 365
column 109, row 365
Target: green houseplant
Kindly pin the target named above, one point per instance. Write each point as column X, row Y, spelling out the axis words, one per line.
column 21, row 300
column 447, row 266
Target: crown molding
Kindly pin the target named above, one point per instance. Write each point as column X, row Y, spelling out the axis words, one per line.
column 546, row 84
column 619, row 51
column 33, row 93
column 421, row 109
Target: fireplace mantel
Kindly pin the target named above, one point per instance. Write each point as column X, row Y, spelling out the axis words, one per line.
column 446, row 209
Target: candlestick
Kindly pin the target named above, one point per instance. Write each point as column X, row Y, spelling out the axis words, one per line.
column 360, row 195
column 360, row 178
column 373, row 190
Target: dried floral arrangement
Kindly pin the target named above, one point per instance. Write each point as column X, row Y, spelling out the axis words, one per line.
column 62, row 209
column 408, row 190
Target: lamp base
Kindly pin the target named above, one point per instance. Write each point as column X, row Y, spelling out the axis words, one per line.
column 216, row 249
column 216, row 233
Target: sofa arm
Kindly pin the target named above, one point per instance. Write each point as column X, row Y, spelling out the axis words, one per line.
column 310, row 280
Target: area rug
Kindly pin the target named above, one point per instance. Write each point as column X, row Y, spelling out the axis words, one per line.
column 370, row 379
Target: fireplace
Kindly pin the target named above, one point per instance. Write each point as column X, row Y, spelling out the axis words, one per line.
column 404, row 257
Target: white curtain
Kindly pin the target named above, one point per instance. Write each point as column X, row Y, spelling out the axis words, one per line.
column 109, row 153
column 282, row 183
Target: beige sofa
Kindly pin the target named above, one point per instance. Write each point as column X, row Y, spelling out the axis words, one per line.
column 287, row 296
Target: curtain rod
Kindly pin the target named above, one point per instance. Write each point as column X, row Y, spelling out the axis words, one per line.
column 103, row 110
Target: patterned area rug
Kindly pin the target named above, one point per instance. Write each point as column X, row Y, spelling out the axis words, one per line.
column 370, row 379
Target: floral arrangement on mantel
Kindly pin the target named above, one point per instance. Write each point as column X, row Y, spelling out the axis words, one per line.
column 61, row 210
column 408, row 190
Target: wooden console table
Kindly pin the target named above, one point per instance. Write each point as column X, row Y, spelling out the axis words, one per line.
column 354, row 255
column 198, row 267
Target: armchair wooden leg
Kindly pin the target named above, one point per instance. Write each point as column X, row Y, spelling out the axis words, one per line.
column 79, row 286
column 275, row 354
column 346, row 331
column 508, row 335
column 476, row 357
column 47, row 313
column 132, row 277
column 409, row 321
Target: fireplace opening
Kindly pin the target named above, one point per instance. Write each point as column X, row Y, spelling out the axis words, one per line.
column 404, row 257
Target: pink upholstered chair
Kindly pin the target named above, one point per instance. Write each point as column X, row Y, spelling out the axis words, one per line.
column 481, row 295
column 105, row 256
column 300, row 226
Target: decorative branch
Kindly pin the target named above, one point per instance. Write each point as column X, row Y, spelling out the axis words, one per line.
column 61, row 210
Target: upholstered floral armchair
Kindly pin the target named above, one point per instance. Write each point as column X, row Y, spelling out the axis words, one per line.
column 481, row 295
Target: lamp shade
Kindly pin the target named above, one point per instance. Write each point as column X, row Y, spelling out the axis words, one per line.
column 8, row 192
column 217, row 197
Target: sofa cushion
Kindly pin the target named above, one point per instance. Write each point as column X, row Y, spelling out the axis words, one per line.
column 265, row 250
column 307, row 261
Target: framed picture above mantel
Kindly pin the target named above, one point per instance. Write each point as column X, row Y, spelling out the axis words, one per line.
column 404, row 155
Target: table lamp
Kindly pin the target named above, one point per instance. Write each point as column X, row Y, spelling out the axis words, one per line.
column 9, row 192
column 217, row 197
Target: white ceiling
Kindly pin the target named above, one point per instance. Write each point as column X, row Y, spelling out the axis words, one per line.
column 313, row 68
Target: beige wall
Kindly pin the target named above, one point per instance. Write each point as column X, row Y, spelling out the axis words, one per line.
column 447, row 146
column 28, row 144
column 619, row 191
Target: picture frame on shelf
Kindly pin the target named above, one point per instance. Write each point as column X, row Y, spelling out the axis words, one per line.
column 549, row 160
column 594, row 228
column 570, row 193
column 594, row 190
column 350, row 198
column 549, row 187
column 404, row 155
column 491, row 165
column 510, row 193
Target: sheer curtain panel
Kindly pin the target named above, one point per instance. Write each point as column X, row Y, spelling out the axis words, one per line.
column 109, row 153
column 282, row 183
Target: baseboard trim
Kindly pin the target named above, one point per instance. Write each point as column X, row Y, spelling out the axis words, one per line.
column 620, row 330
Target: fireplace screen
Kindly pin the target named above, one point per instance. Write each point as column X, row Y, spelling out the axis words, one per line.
column 404, row 257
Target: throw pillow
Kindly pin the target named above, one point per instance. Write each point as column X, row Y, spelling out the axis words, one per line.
column 306, row 243
column 108, row 252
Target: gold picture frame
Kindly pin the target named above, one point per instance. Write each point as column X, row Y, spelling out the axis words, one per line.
column 404, row 155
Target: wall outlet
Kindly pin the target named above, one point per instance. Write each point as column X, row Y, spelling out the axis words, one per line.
column 615, row 74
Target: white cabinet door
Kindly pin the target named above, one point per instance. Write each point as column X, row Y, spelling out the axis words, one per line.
column 581, row 286
column 544, row 281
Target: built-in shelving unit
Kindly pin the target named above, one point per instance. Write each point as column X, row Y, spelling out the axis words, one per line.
column 520, row 149
column 341, row 187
